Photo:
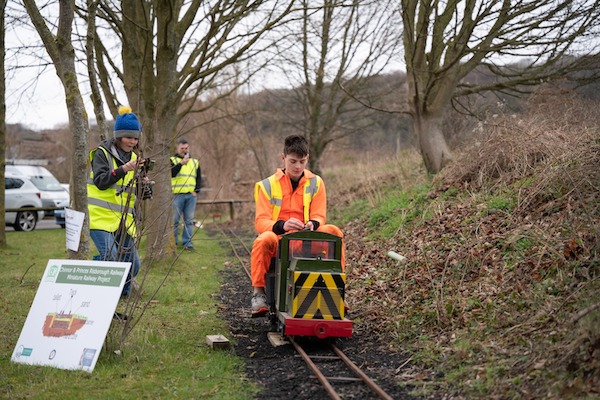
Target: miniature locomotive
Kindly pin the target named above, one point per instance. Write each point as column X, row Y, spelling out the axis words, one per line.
column 306, row 286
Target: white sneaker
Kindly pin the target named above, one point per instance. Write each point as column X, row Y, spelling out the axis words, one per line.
column 259, row 305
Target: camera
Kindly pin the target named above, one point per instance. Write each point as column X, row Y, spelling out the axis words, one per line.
column 147, row 192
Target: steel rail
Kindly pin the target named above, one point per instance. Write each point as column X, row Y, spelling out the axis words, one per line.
column 376, row 388
column 235, row 251
column 328, row 388
column 241, row 241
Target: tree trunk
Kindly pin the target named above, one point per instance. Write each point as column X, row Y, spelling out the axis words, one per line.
column 60, row 49
column 95, row 95
column 78, row 123
column 316, row 154
column 158, row 212
column 162, row 108
column 144, row 91
column 432, row 143
column 2, row 123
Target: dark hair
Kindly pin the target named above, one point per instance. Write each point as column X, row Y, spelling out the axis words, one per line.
column 295, row 144
column 182, row 141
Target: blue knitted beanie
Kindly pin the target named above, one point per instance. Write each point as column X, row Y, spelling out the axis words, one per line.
column 127, row 124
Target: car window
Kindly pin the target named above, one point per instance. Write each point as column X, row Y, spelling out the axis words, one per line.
column 13, row 183
column 46, row 182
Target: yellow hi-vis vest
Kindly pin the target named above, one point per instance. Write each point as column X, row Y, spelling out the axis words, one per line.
column 106, row 207
column 185, row 181
column 272, row 189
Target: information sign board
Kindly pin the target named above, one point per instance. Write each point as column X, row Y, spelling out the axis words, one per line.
column 71, row 313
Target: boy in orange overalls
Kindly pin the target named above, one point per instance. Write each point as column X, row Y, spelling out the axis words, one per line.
column 292, row 199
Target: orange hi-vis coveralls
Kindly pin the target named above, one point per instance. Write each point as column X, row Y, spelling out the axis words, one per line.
column 275, row 200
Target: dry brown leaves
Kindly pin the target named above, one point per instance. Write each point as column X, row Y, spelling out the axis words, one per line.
column 511, row 278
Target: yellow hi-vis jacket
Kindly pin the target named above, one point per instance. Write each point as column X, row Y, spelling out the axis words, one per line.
column 106, row 207
column 185, row 181
column 275, row 200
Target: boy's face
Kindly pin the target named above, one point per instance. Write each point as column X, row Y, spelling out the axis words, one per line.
column 294, row 165
column 127, row 143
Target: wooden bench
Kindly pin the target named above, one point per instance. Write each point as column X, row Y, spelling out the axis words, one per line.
column 232, row 203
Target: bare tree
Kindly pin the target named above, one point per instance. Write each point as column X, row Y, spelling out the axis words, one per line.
column 171, row 53
column 444, row 41
column 2, row 122
column 90, row 51
column 333, row 50
column 60, row 49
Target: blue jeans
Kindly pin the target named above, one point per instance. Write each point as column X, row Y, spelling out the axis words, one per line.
column 117, row 246
column 184, row 207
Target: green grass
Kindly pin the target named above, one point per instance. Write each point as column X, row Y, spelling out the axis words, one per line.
column 165, row 356
column 397, row 209
column 494, row 280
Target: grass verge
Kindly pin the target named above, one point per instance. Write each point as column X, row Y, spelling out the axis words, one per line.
column 165, row 356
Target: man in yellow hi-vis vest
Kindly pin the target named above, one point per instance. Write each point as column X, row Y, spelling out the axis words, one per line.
column 290, row 200
column 186, row 181
column 112, row 194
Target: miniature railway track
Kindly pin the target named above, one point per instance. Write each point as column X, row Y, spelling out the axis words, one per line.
column 335, row 353
column 235, row 250
column 326, row 381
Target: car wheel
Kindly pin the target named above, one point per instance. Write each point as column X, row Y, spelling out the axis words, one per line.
column 26, row 221
column 62, row 226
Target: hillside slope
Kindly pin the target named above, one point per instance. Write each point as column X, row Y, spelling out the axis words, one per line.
column 499, row 295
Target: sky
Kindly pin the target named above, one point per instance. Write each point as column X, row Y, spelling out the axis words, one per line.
column 43, row 108
column 34, row 95
column 43, row 105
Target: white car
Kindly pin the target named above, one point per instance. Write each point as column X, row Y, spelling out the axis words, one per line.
column 20, row 192
column 51, row 191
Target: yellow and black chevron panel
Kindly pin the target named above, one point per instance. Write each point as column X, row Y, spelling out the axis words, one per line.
column 318, row 295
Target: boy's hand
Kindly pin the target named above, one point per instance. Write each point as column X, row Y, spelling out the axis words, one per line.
column 133, row 164
column 293, row 224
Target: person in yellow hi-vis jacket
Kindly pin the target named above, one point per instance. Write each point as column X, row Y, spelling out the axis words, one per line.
column 186, row 181
column 112, row 194
column 292, row 199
